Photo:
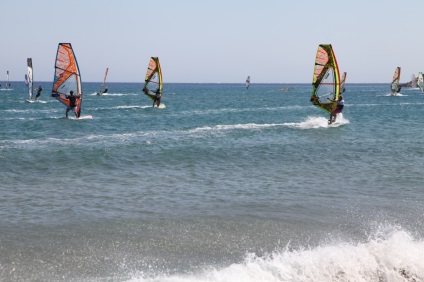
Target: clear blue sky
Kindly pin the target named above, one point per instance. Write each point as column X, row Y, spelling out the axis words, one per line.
column 273, row 41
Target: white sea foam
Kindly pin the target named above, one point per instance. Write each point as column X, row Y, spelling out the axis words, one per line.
column 234, row 126
column 318, row 122
column 388, row 256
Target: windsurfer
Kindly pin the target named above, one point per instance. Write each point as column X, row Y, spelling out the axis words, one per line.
column 72, row 103
column 105, row 91
column 337, row 110
column 39, row 90
column 158, row 97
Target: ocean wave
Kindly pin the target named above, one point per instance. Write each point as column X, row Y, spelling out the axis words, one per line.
column 389, row 256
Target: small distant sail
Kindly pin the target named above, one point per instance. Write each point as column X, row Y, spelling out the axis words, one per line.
column 103, row 84
column 29, row 77
column 394, row 86
column 342, row 82
column 153, row 80
column 414, row 81
column 7, row 83
column 247, row 84
column 421, row 81
column 326, row 79
column 67, row 76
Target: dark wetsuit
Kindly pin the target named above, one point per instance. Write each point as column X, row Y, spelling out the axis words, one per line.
column 38, row 92
column 72, row 103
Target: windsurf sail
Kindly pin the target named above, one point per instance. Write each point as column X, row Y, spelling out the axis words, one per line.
column 414, row 81
column 29, row 77
column 421, row 81
column 153, row 81
column 103, row 84
column 342, row 82
column 7, row 83
column 394, row 86
column 247, row 84
column 67, row 76
column 326, row 79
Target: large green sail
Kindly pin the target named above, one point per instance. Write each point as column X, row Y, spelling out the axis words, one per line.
column 153, row 80
column 326, row 79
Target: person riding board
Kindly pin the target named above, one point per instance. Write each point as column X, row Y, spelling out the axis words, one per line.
column 105, row 90
column 337, row 110
column 156, row 96
column 39, row 90
column 72, row 103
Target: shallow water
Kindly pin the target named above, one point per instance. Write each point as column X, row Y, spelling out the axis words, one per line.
column 223, row 184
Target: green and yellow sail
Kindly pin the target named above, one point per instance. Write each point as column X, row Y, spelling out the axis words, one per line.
column 153, row 80
column 326, row 79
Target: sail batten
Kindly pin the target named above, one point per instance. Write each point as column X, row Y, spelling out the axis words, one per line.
column 326, row 79
column 67, row 76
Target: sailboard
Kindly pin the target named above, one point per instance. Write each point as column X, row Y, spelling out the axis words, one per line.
column 394, row 86
column 67, row 77
column 342, row 82
column 103, row 84
column 153, row 81
column 326, row 79
column 29, row 78
column 421, row 81
column 247, row 84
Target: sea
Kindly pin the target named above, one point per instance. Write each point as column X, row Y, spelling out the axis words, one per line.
column 220, row 184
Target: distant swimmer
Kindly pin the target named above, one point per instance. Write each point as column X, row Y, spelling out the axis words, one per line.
column 39, row 90
column 338, row 110
column 105, row 90
column 72, row 103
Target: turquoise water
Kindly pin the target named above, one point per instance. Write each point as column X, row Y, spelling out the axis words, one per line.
column 223, row 184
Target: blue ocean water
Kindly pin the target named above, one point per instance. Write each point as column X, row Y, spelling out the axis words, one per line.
column 223, row 184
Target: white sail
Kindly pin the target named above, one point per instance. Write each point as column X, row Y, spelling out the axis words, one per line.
column 8, row 83
column 421, row 81
column 414, row 81
column 247, row 84
column 30, row 77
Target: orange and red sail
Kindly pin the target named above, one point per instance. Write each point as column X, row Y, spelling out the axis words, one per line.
column 67, row 76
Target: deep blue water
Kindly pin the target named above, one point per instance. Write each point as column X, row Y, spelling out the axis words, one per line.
column 223, row 184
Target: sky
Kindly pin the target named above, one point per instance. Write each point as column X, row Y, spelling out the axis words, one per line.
column 213, row 41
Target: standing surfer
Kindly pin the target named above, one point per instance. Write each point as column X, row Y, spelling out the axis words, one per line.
column 337, row 110
column 39, row 90
column 156, row 96
column 72, row 103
